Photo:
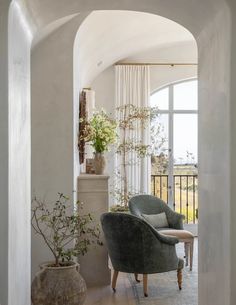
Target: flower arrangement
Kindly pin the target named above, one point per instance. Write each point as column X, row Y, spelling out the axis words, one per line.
column 100, row 131
column 67, row 232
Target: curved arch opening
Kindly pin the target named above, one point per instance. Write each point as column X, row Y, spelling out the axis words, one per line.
column 121, row 37
column 208, row 18
column 180, row 80
column 115, row 41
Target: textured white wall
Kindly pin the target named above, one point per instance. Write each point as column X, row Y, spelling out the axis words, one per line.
column 19, row 161
column 194, row 15
column 175, row 52
column 126, row 35
column 4, row 5
column 161, row 76
column 104, row 87
column 52, row 122
column 215, row 204
column 233, row 153
column 15, row 274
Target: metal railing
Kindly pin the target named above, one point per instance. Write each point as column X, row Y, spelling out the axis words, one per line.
column 185, row 194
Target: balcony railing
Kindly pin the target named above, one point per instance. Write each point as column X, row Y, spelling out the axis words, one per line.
column 185, row 194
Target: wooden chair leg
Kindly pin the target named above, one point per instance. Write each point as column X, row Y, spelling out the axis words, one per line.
column 136, row 277
column 179, row 277
column 145, row 280
column 186, row 250
column 191, row 255
column 114, row 279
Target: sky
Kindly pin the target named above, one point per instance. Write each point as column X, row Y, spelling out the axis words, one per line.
column 184, row 125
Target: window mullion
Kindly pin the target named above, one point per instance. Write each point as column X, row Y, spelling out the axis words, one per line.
column 171, row 144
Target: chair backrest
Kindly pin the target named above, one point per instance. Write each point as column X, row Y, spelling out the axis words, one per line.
column 147, row 204
column 129, row 240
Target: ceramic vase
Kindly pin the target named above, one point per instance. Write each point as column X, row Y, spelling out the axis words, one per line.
column 58, row 286
column 99, row 163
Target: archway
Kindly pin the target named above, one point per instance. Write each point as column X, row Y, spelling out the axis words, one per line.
column 212, row 33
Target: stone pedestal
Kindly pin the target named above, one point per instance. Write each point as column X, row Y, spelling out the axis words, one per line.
column 93, row 192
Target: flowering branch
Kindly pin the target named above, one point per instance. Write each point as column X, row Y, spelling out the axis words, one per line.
column 66, row 233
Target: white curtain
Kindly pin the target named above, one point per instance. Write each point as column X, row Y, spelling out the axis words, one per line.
column 133, row 87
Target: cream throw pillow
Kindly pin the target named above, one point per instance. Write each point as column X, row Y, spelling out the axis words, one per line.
column 157, row 220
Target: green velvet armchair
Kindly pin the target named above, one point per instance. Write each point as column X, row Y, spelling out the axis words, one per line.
column 136, row 247
column 147, row 204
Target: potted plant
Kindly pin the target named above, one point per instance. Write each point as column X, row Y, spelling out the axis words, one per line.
column 100, row 132
column 67, row 233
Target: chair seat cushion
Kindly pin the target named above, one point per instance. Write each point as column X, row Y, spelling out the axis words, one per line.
column 180, row 234
column 157, row 220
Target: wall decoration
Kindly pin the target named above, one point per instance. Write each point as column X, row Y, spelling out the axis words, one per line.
column 82, row 122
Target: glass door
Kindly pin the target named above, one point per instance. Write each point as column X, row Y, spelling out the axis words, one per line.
column 174, row 147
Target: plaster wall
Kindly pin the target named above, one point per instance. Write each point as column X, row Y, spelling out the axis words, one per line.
column 4, row 7
column 233, row 152
column 193, row 15
column 126, row 34
column 52, row 122
column 178, row 52
column 19, row 160
column 104, row 87
column 15, row 167
column 162, row 76
column 215, row 202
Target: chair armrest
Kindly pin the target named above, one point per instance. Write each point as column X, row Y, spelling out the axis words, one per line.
column 175, row 220
column 170, row 240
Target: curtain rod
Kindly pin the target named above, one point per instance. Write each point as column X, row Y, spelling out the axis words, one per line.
column 154, row 64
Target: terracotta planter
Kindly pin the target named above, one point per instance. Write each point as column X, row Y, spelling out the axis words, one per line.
column 99, row 163
column 58, row 286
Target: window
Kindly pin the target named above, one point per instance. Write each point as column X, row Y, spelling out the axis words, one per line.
column 175, row 141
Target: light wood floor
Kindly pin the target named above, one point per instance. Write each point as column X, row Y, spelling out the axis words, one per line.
column 105, row 295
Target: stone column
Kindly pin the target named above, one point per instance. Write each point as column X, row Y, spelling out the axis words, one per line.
column 93, row 192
